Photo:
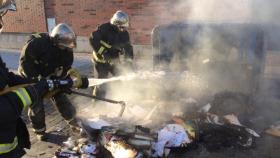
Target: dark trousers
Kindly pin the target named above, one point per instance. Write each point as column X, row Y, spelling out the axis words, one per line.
column 62, row 103
column 103, row 70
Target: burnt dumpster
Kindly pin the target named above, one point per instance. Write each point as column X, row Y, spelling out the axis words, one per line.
column 228, row 57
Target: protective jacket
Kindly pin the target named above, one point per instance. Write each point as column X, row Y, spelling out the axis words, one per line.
column 41, row 57
column 8, row 78
column 13, row 132
column 108, row 43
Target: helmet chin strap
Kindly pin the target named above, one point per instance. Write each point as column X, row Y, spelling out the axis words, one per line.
column 62, row 47
column 121, row 28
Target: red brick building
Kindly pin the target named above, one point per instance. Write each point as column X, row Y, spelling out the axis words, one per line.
column 85, row 15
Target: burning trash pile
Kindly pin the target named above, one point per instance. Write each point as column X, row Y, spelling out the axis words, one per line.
column 156, row 130
column 105, row 139
column 82, row 148
column 119, row 138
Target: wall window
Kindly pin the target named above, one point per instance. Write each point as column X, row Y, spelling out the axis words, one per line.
column 51, row 24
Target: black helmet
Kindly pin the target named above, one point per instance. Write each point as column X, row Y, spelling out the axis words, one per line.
column 120, row 19
column 64, row 36
column 5, row 6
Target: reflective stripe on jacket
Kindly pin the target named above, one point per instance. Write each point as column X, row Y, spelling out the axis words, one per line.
column 5, row 148
column 96, row 59
column 98, row 56
column 24, row 96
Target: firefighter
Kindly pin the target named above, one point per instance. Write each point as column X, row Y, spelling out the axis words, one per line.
column 14, row 136
column 49, row 56
column 112, row 50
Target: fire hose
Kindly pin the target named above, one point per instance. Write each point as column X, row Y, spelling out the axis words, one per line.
column 50, row 94
column 122, row 103
column 9, row 89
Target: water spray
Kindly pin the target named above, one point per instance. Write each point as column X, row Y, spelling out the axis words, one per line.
column 131, row 76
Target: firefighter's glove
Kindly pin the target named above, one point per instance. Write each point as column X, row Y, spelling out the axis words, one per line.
column 73, row 72
column 116, row 47
column 78, row 80
column 75, row 76
column 111, row 54
column 129, row 65
column 39, row 89
column 122, row 51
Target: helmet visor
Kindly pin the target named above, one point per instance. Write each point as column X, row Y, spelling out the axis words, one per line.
column 68, row 43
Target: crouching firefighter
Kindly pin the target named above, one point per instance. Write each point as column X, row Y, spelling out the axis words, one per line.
column 14, row 97
column 50, row 56
column 14, row 136
column 111, row 44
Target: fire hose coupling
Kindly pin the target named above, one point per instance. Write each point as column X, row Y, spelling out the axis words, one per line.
column 83, row 83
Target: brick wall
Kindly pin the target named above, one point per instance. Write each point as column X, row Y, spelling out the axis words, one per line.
column 85, row 15
column 29, row 17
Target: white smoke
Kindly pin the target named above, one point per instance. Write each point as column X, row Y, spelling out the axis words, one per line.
column 214, row 10
column 210, row 46
column 245, row 11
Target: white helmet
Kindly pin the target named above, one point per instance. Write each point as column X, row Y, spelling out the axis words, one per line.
column 120, row 19
column 64, row 36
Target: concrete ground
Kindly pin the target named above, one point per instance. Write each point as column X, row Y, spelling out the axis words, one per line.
column 266, row 147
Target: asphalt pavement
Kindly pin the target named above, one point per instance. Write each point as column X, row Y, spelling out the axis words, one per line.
column 11, row 58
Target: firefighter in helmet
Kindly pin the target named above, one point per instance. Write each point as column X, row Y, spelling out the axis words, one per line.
column 14, row 97
column 50, row 56
column 111, row 44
